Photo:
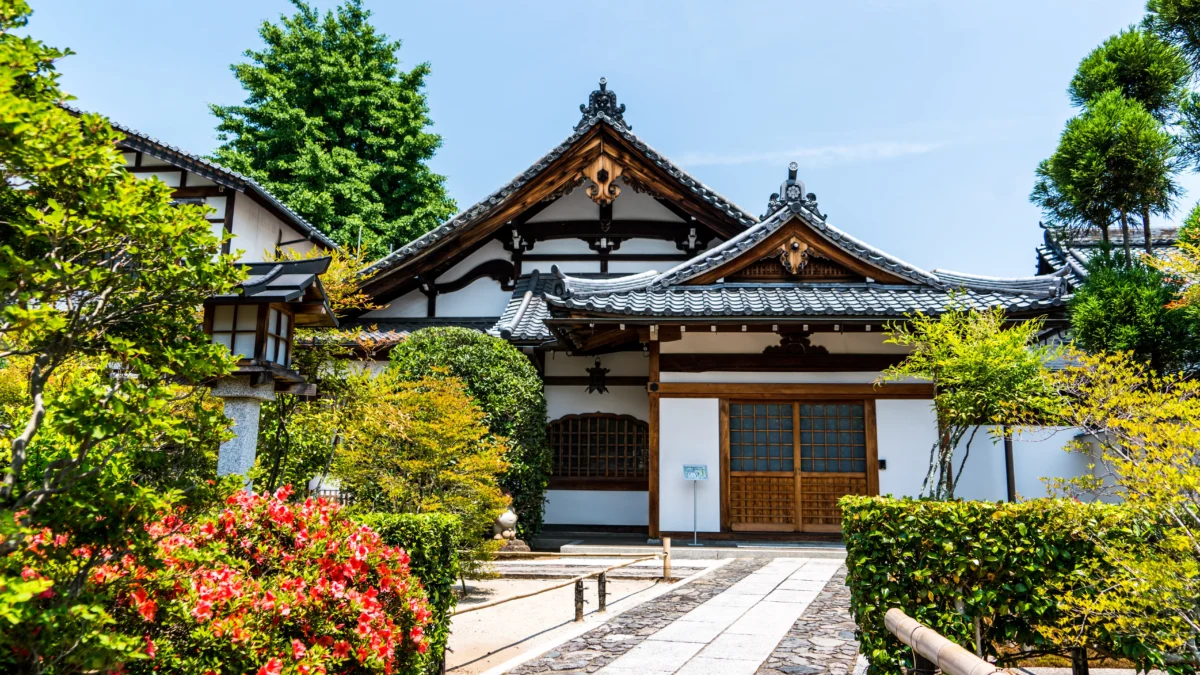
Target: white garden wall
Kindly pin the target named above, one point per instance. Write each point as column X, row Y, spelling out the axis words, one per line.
column 597, row 507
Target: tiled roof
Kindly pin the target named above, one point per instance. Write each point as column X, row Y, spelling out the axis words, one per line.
column 1071, row 251
column 799, row 301
column 1045, row 285
column 218, row 174
column 473, row 214
column 283, row 281
column 523, row 320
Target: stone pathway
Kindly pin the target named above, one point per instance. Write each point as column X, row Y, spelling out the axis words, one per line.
column 822, row 641
column 597, row 648
column 789, row 615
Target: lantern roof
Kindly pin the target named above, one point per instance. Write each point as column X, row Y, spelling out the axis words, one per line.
column 295, row 283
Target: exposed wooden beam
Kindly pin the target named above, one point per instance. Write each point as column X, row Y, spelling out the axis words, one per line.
column 652, row 441
column 769, row 363
column 759, row 391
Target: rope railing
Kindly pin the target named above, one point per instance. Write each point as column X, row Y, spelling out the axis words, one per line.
column 601, row 579
column 931, row 651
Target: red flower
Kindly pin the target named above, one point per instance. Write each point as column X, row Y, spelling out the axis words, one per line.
column 298, row 650
column 273, row 667
column 150, row 648
column 341, row 649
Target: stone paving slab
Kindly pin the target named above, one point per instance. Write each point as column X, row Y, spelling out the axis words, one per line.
column 605, row 643
column 822, row 641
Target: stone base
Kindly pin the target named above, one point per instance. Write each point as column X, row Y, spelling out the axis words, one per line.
column 515, row 546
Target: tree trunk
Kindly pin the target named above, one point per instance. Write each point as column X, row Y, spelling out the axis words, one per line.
column 1104, row 234
column 1125, row 237
column 1146, row 228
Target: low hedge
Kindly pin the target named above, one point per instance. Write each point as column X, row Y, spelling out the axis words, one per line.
column 433, row 542
column 945, row 562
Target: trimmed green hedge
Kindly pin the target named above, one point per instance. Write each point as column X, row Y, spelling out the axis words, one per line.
column 432, row 541
column 945, row 562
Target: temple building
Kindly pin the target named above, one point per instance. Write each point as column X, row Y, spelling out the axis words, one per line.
column 675, row 329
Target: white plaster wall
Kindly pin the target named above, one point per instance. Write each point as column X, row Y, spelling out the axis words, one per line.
column 689, row 433
column 597, row 507
column 702, row 340
column 630, row 205
column 651, row 246
column 493, row 250
column 482, row 297
column 562, row 247
column 255, row 231
column 618, row 363
column 907, row 430
column 411, row 305
column 217, row 204
column 857, row 343
column 575, row 400
column 574, row 205
column 636, row 266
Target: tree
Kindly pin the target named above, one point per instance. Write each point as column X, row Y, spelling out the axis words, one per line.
column 1112, row 160
column 508, row 389
column 333, row 127
column 984, row 371
column 1146, row 428
column 1127, row 306
column 101, row 277
column 1189, row 232
column 1142, row 66
column 421, row 446
column 1177, row 22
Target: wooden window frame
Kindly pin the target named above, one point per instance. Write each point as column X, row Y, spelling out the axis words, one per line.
column 641, row 478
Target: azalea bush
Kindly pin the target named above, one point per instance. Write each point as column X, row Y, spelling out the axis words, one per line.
column 259, row 586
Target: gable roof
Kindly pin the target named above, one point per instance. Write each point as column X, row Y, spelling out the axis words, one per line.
column 137, row 141
column 601, row 111
column 670, row 294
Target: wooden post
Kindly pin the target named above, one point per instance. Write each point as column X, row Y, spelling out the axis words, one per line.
column 579, row 600
column 922, row 665
column 1008, row 465
column 1079, row 661
column 666, row 558
column 652, row 441
column 602, row 591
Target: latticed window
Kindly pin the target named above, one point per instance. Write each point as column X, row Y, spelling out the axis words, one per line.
column 598, row 448
column 833, row 438
column 760, row 437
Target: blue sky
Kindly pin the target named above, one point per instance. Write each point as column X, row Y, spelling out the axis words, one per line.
column 918, row 123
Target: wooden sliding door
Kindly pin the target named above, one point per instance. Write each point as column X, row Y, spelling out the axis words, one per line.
column 786, row 463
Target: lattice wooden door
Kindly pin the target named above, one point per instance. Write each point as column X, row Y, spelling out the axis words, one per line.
column 789, row 463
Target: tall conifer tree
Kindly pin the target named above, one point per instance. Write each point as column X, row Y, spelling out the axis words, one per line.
column 336, row 129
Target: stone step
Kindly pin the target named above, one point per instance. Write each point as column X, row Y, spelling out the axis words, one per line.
column 682, row 551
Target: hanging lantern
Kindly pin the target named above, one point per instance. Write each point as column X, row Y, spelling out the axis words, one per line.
column 596, row 377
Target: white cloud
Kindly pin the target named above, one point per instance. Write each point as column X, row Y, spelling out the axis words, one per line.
column 828, row 155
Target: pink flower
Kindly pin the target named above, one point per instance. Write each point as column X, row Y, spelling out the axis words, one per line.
column 150, row 648
column 298, row 650
column 273, row 667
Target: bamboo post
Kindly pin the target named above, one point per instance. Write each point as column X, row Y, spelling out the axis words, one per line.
column 579, row 600
column 666, row 558
column 602, row 591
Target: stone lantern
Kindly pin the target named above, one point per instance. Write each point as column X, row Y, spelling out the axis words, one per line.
column 257, row 323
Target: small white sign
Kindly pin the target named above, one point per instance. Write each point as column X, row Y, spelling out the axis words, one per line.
column 695, row 472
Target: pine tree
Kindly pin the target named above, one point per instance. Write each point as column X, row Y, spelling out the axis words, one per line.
column 1113, row 160
column 336, row 130
column 1144, row 68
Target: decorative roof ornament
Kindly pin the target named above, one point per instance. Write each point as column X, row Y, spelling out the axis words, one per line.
column 602, row 101
column 792, row 192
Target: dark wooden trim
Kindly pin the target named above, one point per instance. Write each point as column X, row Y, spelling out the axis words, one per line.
column 619, row 229
column 164, row 168
column 609, row 484
column 498, row 269
column 763, row 363
column 723, row 466
column 792, row 391
column 229, row 201
column 615, row 257
column 583, row 381
column 872, row 446
column 199, row 191
column 653, row 450
column 137, row 159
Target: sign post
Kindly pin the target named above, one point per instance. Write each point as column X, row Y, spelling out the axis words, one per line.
column 694, row 473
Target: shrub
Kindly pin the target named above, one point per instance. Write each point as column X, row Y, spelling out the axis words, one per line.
column 422, row 447
column 269, row 587
column 433, row 542
column 946, row 563
column 507, row 387
column 1128, row 306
